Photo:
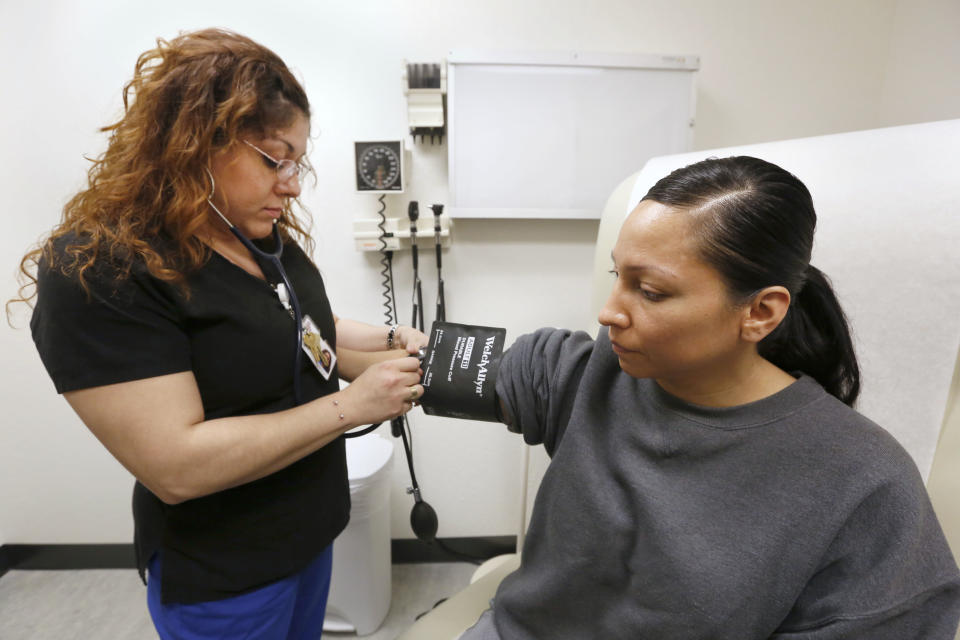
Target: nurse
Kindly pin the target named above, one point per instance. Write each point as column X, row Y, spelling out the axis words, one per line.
column 172, row 337
column 709, row 478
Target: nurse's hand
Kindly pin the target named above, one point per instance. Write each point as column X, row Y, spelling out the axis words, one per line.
column 410, row 339
column 384, row 391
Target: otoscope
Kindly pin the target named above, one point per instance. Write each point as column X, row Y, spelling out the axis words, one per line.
column 413, row 212
column 441, row 301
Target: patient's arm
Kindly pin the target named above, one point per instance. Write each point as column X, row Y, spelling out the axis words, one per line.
column 503, row 413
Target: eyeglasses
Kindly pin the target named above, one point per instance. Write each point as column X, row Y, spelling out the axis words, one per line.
column 285, row 168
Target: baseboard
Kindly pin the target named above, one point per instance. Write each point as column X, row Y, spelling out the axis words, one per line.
column 121, row 556
column 69, row 556
column 456, row 549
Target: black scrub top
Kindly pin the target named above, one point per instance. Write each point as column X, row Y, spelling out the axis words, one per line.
column 233, row 333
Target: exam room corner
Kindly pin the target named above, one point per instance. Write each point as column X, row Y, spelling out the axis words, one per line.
column 784, row 81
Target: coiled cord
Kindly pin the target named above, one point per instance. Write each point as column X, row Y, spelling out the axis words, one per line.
column 389, row 303
column 386, row 271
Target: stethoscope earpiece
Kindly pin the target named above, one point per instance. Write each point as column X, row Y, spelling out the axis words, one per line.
column 213, row 190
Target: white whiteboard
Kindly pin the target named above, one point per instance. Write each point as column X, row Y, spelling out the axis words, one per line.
column 551, row 135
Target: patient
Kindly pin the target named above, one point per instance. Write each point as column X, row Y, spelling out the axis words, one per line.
column 709, row 478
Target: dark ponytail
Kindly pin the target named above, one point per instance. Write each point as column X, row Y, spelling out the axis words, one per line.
column 754, row 224
column 814, row 338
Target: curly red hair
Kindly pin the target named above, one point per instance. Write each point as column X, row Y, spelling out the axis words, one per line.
column 189, row 99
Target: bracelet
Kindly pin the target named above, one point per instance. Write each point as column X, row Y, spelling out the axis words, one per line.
column 391, row 335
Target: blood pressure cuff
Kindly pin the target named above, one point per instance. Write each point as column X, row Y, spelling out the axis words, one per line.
column 460, row 367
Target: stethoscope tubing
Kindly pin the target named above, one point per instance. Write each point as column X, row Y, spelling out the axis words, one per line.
column 274, row 258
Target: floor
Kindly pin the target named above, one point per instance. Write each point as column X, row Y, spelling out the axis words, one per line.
column 48, row 605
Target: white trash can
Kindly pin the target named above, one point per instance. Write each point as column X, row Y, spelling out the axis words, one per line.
column 360, row 585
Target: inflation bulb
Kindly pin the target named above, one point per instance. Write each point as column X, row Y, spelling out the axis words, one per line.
column 423, row 521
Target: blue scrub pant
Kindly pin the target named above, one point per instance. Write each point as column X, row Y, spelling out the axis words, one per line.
column 289, row 609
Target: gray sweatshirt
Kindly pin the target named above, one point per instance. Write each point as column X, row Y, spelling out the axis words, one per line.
column 790, row 517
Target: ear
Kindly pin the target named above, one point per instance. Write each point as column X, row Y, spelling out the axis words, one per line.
column 764, row 313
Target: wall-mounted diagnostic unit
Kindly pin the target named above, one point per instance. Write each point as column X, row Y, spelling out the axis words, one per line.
column 425, row 85
column 380, row 166
column 381, row 170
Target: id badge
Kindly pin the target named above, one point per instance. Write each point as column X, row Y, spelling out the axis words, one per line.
column 317, row 349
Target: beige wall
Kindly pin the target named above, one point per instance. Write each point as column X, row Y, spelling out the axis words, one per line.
column 770, row 70
column 922, row 78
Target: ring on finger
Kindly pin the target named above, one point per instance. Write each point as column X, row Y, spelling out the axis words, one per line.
column 413, row 394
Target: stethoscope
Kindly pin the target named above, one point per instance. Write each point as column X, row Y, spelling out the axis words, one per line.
column 423, row 518
column 286, row 293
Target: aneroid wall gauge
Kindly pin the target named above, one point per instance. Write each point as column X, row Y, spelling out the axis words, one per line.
column 379, row 166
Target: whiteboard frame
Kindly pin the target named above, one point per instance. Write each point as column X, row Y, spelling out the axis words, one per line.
column 483, row 57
